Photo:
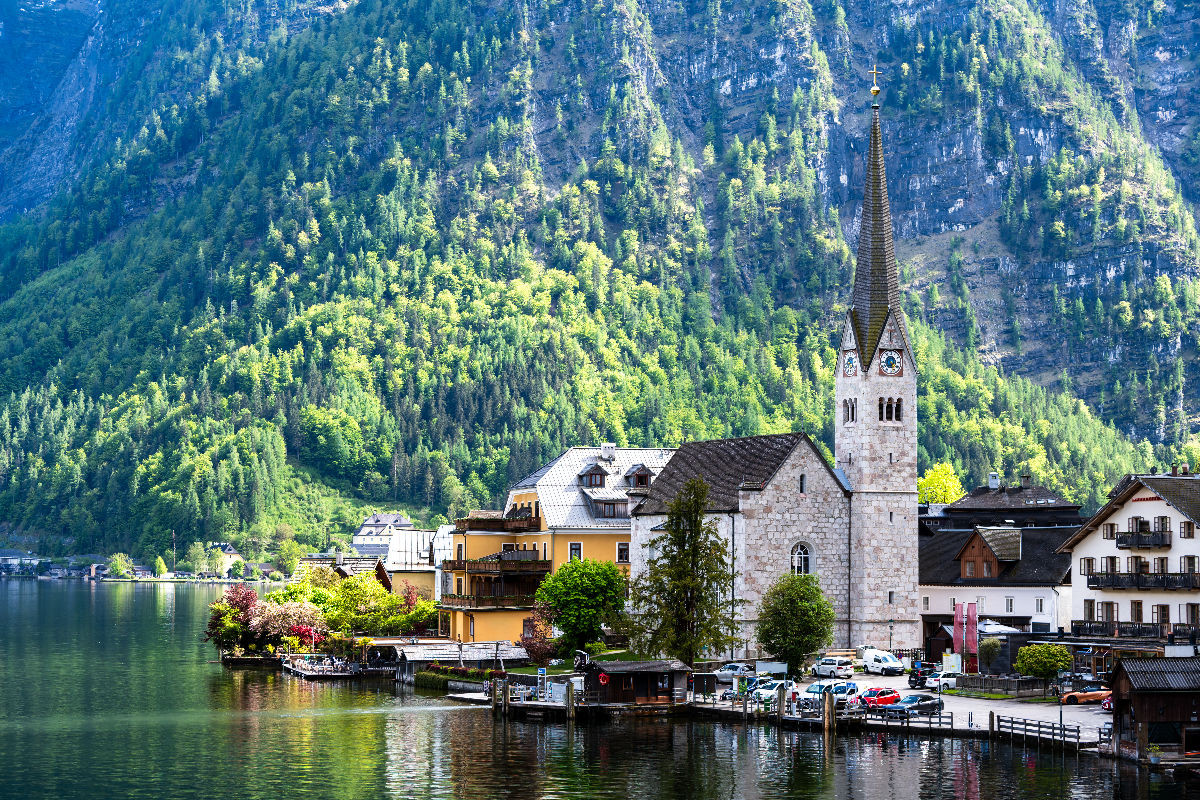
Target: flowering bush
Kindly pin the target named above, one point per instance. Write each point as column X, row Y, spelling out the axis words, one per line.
column 273, row 620
column 229, row 620
column 469, row 673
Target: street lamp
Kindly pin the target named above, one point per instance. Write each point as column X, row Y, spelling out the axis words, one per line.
column 891, row 625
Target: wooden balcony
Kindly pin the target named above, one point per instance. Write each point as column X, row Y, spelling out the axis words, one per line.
column 1144, row 580
column 487, row 601
column 508, row 562
column 1112, row 628
column 1144, row 540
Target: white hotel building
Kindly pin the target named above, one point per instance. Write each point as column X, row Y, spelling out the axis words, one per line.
column 1136, row 563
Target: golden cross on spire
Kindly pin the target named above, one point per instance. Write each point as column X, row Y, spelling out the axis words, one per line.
column 874, row 73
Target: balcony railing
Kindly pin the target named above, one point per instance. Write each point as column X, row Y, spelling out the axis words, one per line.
column 487, row 601
column 1183, row 631
column 1144, row 580
column 1109, row 628
column 506, row 561
column 1143, row 540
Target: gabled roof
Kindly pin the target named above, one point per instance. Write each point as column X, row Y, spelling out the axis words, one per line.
column 565, row 503
column 1161, row 674
column 1181, row 492
column 1040, row 564
column 727, row 466
column 1014, row 498
column 1005, row 543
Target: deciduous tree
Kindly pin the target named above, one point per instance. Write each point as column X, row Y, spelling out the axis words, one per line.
column 795, row 619
column 120, row 565
column 580, row 596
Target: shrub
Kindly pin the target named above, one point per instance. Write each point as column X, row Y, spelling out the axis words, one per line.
column 596, row 648
column 276, row 575
column 431, row 680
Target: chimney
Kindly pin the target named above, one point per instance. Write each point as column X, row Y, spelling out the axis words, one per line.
column 1186, row 468
column 993, row 480
column 1025, row 481
column 1154, row 470
column 339, row 558
column 1174, row 470
column 608, row 451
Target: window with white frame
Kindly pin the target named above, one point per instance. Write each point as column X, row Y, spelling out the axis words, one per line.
column 1039, row 605
column 1187, row 529
column 622, row 552
column 801, row 559
column 925, row 603
column 1008, row 605
column 1109, row 530
column 1087, row 566
column 575, row 551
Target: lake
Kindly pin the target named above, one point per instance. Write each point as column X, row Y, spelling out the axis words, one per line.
column 108, row 691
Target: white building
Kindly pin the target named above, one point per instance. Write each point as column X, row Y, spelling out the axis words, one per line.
column 1013, row 575
column 1138, row 560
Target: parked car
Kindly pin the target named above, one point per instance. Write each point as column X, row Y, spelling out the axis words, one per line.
column 813, row 696
column 845, row 695
column 878, row 696
column 942, row 680
column 767, row 690
column 881, row 662
column 919, row 675
column 914, row 705
column 1095, row 693
column 734, row 691
column 729, row 673
column 830, row 667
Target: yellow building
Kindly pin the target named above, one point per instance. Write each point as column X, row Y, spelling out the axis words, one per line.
column 577, row 506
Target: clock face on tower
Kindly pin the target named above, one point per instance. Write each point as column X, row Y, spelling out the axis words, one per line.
column 850, row 365
column 890, row 362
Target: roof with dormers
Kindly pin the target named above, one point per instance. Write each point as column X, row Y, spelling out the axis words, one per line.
column 564, row 502
column 1039, row 562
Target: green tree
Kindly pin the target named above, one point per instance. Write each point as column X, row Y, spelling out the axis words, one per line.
column 238, row 568
column 120, row 565
column 215, row 560
column 289, row 555
column 1043, row 661
column 795, row 619
column 196, row 556
column 580, row 596
column 160, row 567
column 678, row 605
column 989, row 650
column 939, row 484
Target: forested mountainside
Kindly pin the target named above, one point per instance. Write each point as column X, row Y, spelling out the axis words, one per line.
column 307, row 257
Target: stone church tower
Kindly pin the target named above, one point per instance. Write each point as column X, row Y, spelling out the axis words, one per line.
column 875, row 439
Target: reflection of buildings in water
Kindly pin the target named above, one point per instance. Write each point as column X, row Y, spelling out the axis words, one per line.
column 164, row 603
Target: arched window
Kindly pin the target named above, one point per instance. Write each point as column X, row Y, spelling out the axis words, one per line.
column 801, row 559
column 881, row 409
column 890, row 408
column 899, row 409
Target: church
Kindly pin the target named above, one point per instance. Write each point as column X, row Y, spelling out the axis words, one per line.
column 780, row 504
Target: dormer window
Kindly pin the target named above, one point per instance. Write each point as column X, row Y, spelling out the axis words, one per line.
column 593, row 479
column 641, row 480
column 638, row 476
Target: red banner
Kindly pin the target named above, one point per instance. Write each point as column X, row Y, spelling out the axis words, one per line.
column 960, row 627
column 971, row 639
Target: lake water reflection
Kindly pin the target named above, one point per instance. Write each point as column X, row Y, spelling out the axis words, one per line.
column 107, row 691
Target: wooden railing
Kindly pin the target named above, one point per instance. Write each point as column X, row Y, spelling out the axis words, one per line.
column 487, row 601
column 1143, row 540
column 1144, row 580
column 1038, row 730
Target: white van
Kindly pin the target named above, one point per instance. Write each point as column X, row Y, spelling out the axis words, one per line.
column 881, row 662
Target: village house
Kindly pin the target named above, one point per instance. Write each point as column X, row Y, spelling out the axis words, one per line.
column 575, row 507
column 1137, row 560
column 1156, row 703
column 1015, row 577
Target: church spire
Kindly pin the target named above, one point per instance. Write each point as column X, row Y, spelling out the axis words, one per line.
column 876, row 286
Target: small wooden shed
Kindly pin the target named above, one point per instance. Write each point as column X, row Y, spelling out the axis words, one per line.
column 636, row 682
column 1156, row 701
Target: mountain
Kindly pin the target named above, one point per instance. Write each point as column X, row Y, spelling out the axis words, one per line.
column 303, row 259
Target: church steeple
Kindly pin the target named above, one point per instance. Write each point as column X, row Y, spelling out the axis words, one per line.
column 876, row 286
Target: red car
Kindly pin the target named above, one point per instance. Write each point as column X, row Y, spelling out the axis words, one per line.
column 873, row 698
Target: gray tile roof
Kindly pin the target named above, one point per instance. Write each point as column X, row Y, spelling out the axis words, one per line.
column 564, row 502
column 1182, row 492
column 662, row 665
column 726, row 465
column 1008, row 497
column 1162, row 674
column 1039, row 564
column 1004, row 542
column 447, row 652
